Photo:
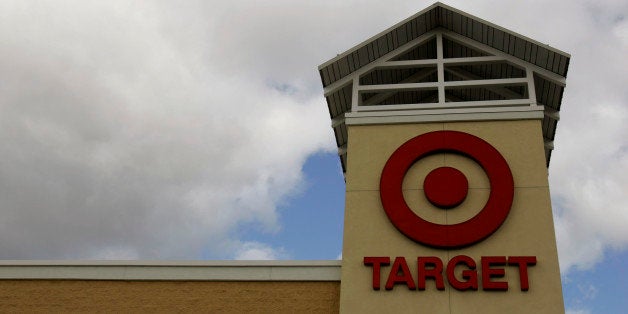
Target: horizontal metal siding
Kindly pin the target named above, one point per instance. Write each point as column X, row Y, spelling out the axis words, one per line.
column 332, row 105
column 343, row 130
column 545, row 127
column 511, row 44
column 344, row 67
column 338, row 136
column 345, row 100
column 340, row 101
column 425, row 51
column 548, row 93
column 566, row 67
column 343, row 162
column 552, row 129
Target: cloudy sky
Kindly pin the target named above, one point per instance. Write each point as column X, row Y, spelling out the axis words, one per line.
column 198, row 130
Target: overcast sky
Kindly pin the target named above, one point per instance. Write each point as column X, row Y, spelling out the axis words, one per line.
column 161, row 129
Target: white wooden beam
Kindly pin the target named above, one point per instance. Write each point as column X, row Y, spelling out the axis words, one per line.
column 549, row 75
column 466, row 75
column 397, row 87
column 447, row 115
column 440, row 67
column 531, row 87
column 438, row 85
column 331, row 88
column 423, row 73
column 462, row 104
column 355, row 95
column 472, row 60
column 404, row 64
column 497, row 56
column 507, row 81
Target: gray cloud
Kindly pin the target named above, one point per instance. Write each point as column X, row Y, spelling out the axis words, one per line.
column 589, row 165
column 121, row 140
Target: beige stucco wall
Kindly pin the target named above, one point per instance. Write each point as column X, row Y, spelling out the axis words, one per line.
column 528, row 230
column 62, row 296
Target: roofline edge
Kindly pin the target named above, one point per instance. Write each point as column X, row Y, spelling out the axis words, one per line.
column 434, row 5
column 172, row 271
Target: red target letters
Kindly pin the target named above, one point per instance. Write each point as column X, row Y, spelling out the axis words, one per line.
column 446, row 188
column 461, row 272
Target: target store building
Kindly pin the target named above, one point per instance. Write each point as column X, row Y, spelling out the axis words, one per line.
column 444, row 124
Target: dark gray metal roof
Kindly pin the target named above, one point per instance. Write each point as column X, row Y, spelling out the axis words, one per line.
column 441, row 15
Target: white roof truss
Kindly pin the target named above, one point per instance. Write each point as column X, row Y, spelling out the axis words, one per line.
column 443, row 71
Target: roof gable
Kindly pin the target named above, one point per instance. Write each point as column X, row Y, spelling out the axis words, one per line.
column 449, row 18
column 484, row 71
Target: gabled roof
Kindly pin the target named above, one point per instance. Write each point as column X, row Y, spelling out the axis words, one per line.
column 452, row 19
column 467, row 36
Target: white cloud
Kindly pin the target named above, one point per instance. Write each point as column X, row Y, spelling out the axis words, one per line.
column 258, row 251
column 124, row 137
column 589, row 165
column 587, row 293
column 588, row 169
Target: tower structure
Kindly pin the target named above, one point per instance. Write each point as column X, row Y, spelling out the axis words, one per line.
column 445, row 126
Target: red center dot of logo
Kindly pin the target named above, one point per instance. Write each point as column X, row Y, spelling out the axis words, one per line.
column 446, row 187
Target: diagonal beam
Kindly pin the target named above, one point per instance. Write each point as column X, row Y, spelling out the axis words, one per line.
column 549, row 75
column 331, row 88
column 403, row 64
column 466, row 75
column 411, row 79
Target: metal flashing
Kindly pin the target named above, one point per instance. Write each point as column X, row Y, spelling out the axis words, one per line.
column 172, row 270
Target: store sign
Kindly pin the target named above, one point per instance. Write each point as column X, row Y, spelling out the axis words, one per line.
column 431, row 268
column 446, row 188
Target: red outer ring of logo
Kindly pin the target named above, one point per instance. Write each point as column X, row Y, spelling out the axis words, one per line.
column 474, row 230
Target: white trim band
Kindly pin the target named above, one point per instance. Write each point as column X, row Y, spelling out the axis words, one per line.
column 172, row 270
column 362, row 119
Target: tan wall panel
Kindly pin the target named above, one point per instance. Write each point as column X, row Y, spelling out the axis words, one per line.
column 520, row 142
column 59, row 296
column 528, row 230
column 369, row 149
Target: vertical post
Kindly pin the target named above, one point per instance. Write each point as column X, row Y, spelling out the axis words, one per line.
column 355, row 96
column 440, row 67
column 531, row 88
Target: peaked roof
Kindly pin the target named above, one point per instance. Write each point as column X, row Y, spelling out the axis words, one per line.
column 452, row 19
column 549, row 65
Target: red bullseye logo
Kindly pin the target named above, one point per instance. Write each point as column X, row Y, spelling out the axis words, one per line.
column 446, row 188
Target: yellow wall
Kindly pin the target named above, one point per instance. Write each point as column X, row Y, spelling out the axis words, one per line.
column 528, row 230
column 62, row 296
